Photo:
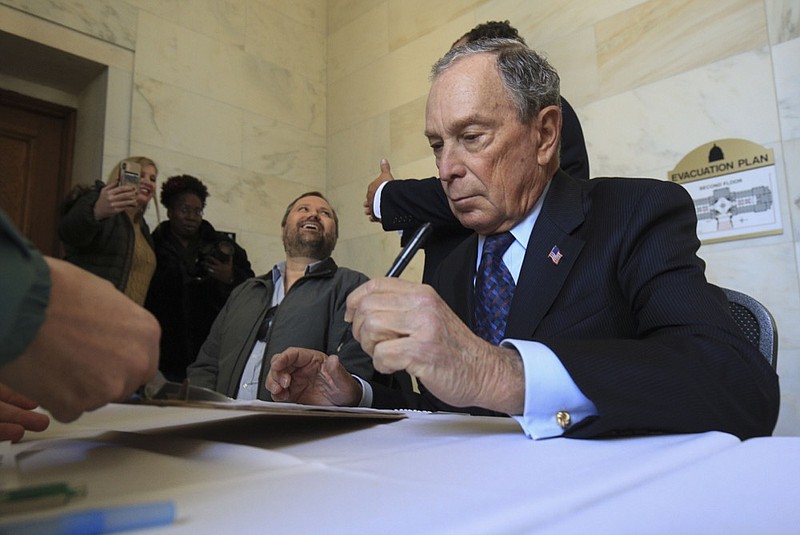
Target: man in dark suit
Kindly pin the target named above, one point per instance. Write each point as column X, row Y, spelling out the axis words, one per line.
column 405, row 204
column 612, row 329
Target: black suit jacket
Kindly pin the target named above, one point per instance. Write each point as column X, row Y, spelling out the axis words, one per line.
column 406, row 204
column 628, row 312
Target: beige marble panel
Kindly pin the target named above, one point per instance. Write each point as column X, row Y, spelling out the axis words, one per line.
column 358, row 43
column 783, row 20
column 282, row 151
column 543, row 22
column 657, row 124
column 412, row 19
column 56, row 36
column 373, row 254
column 41, row 92
column 348, row 200
column 422, row 168
column 407, row 124
column 354, row 154
column 343, row 12
column 311, row 13
column 190, row 60
column 786, row 60
column 659, row 39
column 186, row 122
column 114, row 23
column 790, row 158
column 241, row 200
column 262, row 251
column 400, row 77
column 789, row 416
column 119, row 88
column 221, row 20
column 574, row 58
column 279, row 39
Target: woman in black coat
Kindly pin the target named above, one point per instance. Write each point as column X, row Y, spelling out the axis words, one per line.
column 196, row 269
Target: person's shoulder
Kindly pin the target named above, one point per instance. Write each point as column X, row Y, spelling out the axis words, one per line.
column 633, row 185
column 81, row 194
column 252, row 285
column 161, row 231
column 349, row 273
column 637, row 194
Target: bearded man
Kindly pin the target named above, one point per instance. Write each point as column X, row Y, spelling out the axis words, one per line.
column 300, row 303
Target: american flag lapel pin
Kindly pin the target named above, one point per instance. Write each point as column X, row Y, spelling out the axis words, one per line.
column 555, row 255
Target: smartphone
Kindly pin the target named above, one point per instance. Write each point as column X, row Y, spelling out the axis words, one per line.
column 129, row 174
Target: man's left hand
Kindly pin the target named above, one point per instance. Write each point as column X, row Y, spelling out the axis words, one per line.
column 311, row 377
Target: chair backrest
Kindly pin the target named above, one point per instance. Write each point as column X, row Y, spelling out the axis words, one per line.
column 756, row 323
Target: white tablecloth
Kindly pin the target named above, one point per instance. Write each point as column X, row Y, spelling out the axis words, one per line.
column 232, row 471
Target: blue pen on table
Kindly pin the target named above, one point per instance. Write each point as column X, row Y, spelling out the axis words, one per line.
column 96, row 521
column 399, row 264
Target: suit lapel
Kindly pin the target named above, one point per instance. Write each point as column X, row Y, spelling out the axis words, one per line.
column 541, row 277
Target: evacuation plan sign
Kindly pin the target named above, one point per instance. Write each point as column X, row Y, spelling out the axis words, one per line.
column 734, row 188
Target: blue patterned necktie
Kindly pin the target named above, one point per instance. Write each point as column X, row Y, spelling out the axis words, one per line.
column 494, row 288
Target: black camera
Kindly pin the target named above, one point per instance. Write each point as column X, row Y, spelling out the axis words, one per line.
column 221, row 250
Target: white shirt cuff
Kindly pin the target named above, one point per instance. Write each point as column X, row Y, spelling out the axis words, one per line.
column 553, row 402
column 376, row 201
column 366, row 393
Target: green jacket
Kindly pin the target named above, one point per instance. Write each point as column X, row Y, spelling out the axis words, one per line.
column 311, row 315
column 25, row 291
column 104, row 247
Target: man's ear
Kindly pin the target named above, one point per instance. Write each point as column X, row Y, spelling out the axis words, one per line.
column 548, row 128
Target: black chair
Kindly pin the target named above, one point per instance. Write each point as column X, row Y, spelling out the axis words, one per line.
column 756, row 323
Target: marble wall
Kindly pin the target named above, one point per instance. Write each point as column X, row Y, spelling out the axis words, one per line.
column 265, row 99
column 231, row 91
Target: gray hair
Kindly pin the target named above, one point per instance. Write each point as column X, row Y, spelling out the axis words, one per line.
column 532, row 83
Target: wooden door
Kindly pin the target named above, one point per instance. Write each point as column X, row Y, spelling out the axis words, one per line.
column 36, row 145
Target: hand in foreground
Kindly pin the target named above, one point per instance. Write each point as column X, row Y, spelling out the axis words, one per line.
column 95, row 346
column 385, row 176
column 114, row 199
column 407, row 326
column 17, row 416
column 311, row 377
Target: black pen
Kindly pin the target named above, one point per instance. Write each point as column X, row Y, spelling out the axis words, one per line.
column 399, row 264
column 411, row 248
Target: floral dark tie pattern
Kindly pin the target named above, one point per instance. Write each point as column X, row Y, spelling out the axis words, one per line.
column 494, row 289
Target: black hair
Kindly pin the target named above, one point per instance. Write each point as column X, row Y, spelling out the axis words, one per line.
column 492, row 29
column 175, row 186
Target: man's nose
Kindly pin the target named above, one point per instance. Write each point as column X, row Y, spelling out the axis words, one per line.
column 450, row 164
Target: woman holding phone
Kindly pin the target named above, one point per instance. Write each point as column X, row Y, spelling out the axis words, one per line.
column 104, row 231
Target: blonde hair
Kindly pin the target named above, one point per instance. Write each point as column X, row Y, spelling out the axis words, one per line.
column 143, row 161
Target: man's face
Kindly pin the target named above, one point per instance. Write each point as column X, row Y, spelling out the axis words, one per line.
column 310, row 229
column 186, row 215
column 488, row 161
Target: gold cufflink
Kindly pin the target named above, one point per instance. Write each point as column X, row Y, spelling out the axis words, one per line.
column 563, row 419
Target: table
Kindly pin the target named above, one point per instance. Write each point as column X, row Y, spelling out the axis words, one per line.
column 239, row 472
